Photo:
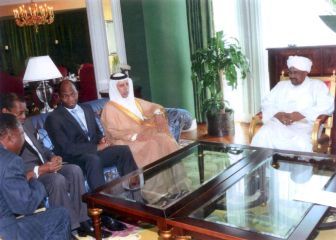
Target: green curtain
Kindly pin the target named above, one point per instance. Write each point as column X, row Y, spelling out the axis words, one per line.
column 71, row 49
column 201, row 28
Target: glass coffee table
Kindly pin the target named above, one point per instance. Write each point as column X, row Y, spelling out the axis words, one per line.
column 157, row 191
column 259, row 202
column 218, row 191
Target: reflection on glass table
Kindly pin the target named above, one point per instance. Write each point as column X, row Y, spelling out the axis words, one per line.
column 183, row 174
column 262, row 201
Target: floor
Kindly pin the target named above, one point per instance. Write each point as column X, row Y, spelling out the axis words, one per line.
column 240, row 137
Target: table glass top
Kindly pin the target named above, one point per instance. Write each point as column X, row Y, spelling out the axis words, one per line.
column 178, row 176
column 263, row 200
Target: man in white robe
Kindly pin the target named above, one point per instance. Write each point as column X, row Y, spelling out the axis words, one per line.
column 292, row 106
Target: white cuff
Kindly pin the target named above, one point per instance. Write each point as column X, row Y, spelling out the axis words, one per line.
column 158, row 111
column 36, row 168
column 134, row 137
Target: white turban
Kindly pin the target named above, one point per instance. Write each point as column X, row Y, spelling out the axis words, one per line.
column 115, row 96
column 301, row 63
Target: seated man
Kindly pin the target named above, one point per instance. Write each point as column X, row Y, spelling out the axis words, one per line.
column 64, row 183
column 137, row 123
column 76, row 137
column 19, row 196
column 291, row 107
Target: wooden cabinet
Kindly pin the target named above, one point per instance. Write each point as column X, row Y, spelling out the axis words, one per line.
column 323, row 57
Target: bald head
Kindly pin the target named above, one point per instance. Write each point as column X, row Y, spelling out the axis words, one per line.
column 68, row 94
column 65, row 85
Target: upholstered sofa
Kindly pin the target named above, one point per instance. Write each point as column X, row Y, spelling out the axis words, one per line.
column 178, row 119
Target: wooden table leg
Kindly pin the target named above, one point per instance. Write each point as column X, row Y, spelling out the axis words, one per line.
column 165, row 234
column 168, row 235
column 95, row 213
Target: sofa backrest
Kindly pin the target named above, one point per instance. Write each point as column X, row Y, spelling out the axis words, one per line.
column 178, row 120
column 39, row 120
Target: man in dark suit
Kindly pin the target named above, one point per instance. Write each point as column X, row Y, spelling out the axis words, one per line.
column 19, row 196
column 64, row 183
column 76, row 137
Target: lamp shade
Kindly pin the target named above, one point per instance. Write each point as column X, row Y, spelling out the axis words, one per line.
column 41, row 68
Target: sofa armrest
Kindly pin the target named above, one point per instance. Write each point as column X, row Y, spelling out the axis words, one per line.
column 178, row 120
column 321, row 134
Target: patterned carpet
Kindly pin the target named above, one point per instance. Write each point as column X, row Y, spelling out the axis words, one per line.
column 141, row 232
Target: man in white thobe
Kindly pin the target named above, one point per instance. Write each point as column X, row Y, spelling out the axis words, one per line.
column 292, row 106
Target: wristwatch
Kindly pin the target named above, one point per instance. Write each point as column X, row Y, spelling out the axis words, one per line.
column 36, row 173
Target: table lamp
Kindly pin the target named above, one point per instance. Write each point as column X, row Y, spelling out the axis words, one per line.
column 41, row 69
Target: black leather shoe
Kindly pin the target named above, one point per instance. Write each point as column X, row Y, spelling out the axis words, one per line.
column 86, row 229
column 112, row 225
column 73, row 237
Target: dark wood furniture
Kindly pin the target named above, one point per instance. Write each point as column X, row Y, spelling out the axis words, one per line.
column 195, row 191
column 323, row 57
column 252, row 204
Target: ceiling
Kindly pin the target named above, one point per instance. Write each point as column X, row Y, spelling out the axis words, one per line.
column 6, row 6
column 12, row 2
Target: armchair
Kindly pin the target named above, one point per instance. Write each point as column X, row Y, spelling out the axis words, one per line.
column 9, row 83
column 63, row 70
column 322, row 128
column 87, row 84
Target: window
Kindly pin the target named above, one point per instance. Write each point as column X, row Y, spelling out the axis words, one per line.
column 271, row 23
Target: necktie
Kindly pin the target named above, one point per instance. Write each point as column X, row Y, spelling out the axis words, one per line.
column 80, row 122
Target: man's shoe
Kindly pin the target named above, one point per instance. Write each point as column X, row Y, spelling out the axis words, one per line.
column 86, row 229
column 112, row 225
column 73, row 237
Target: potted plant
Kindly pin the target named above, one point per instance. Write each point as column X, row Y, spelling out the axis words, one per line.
column 221, row 58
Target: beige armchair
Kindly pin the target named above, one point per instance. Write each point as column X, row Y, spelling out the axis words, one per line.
column 321, row 135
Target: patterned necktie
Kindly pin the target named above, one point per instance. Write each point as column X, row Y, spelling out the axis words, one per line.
column 81, row 124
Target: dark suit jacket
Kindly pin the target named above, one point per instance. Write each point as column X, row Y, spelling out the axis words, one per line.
column 30, row 158
column 17, row 196
column 67, row 136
